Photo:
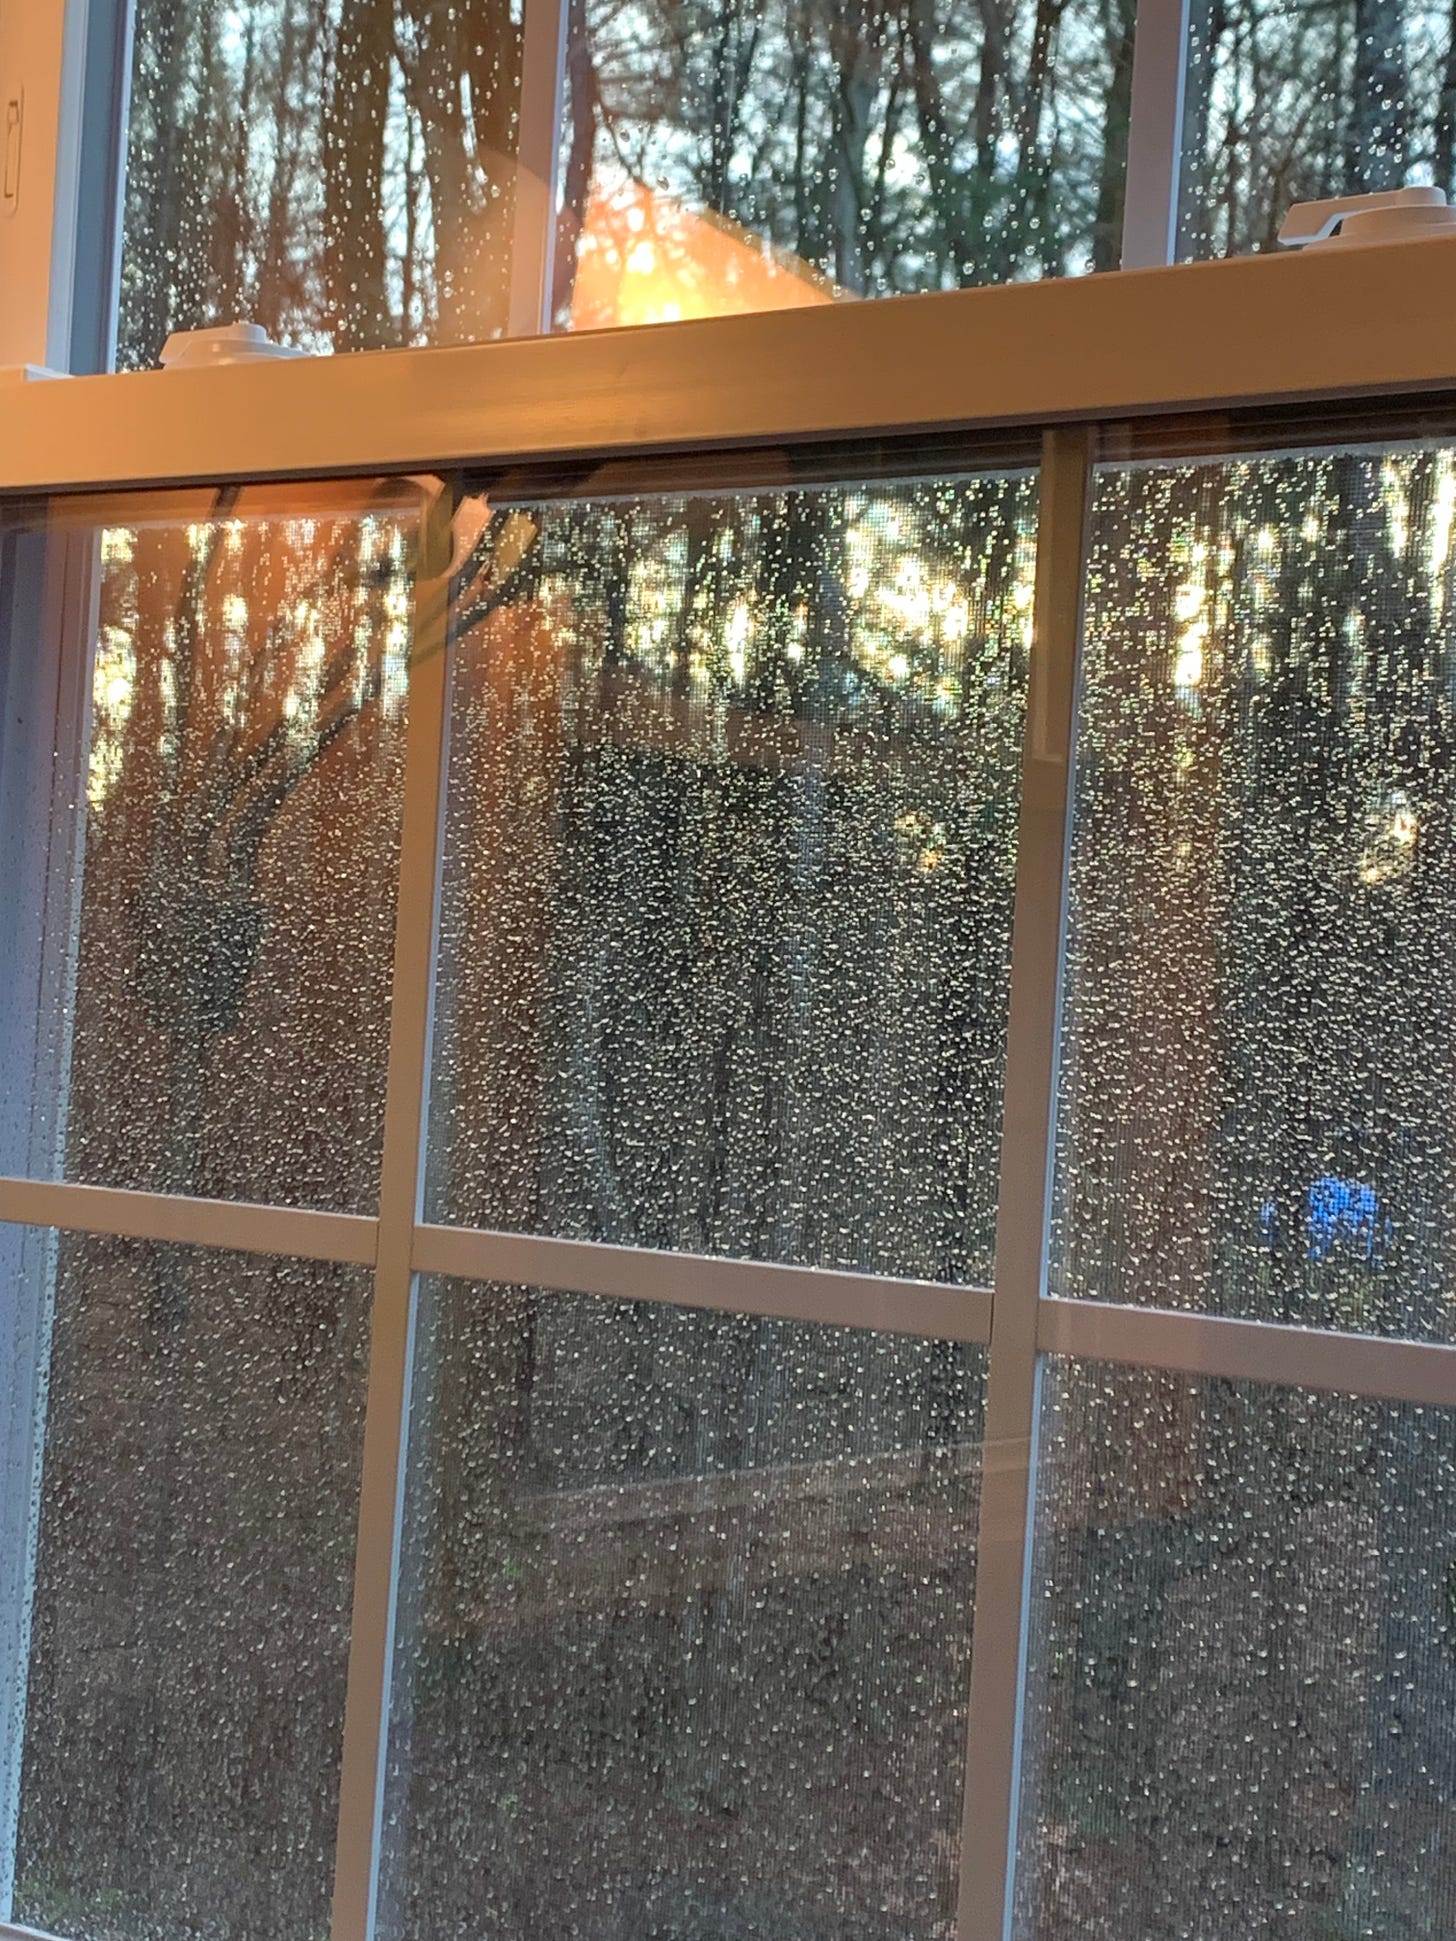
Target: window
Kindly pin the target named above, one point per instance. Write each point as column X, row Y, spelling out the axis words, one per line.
column 723, row 1119
column 360, row 175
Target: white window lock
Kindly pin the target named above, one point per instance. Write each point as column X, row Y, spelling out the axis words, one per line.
column 1391, row 216
column 234, row 343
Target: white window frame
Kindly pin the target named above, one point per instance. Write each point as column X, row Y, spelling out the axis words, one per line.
column 1058, row 359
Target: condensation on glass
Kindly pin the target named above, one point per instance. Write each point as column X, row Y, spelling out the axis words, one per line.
column 1242, row 1672
column 1289, row 103
column 1260, row 1025
column 177, row 1593
column 729, row 868
column 735, row 156
column 204, row 870
column 685, row 1624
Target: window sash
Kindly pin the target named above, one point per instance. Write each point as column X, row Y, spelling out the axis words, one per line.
column 70, row 61
column 1016, row 1319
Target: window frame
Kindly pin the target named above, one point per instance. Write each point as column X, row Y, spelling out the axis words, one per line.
column 1061, row 361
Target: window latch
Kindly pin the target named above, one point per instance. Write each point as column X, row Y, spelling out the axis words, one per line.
column 1391, row 216
column 234, row 343
column 10, row 166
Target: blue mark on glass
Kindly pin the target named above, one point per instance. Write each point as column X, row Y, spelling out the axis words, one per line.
column 1343, row 1222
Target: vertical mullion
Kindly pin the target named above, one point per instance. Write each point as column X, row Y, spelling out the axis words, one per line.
column 1155, row 134
column 51, row 614
column 538, row 148
column 993, row 1729
column 391, row 1352
column 94, row 269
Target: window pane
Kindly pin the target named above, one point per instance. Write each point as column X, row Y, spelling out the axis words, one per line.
column 183, row 1714
column 1291, row 102
column 207, row 871
column 339, row 171
column 1243, row 1682
column 722, row 156
column 686, row 1636
column 730, row 858
column 1258, row 1053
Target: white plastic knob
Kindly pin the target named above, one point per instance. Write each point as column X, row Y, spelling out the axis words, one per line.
column 1390, row 216
column 234, row 343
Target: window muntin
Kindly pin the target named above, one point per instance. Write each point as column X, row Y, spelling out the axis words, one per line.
column 189, row 1618
column 1241, row 1670
column 216, row 917
column 1259, row 1000
column 686, row 1622
column 728, row 875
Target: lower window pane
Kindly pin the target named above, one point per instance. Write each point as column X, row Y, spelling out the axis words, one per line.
column 182, row 1718
column 686, row 1636
column 1243, row 1693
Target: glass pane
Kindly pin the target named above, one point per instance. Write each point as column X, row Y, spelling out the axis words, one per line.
column 340, row 171
column 1261, row 991
column 1243, row 1682
column 729, row 872
column 722, row 156
column 1289, row 102
column 207, row 865
column 686, row 1637
column 183, row 1713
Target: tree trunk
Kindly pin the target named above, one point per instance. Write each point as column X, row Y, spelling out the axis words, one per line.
column 354, row 130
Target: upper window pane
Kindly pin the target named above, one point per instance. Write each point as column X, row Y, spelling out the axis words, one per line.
column 1257, row 1065
column 340, row 171
column 1292, row 102
column 200, row 773
column 345, row 172
column 729, row 869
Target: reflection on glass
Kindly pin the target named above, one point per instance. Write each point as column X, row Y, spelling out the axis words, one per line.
column 724, row 155
column 184, row 1706
column 1258, row 1054
column 1243, row 1680
column 217, row 903
column 686, row 1632
column 730, row 857
column 1293, row 102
